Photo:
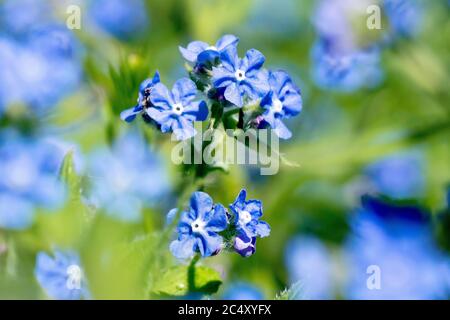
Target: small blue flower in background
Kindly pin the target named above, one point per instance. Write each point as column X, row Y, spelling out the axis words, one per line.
column 123, row 19
column 242, row 291
column 283, row 101
column 405, row 17
column 247, row 223
column 199, row 227
column 61, row 276
column 20, row 16
column 345, row 71
column 176, row 111
column 398, row 240
column 201, row 52
column 127, row 178
column 29, row 169
column 143, row 101
column 399, row 176
column 41, row 64
column 309, row 263
column 241, row 78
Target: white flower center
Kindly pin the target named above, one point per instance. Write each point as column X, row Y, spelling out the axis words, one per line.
column 178, row 108
column 240, row 75
column 244, row 217
column 277, row 105
column 197, row 226
column 74, row 276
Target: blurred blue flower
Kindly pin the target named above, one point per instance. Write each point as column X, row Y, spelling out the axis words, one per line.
column 198, row 228
column 345, row 71
column 201, row 52
column 20, row 16
column 283, row 101
column 247, row 223
column 398, row 241
column 399, row 176
column 29, row 169
column 309, row 263
column 61, row 276
column 176, row 111
column 40, row 70
column 242, row 291
column 123, row 19
column 241, row 77
column 143, row 101
column 335, row 20
column 127, row 178
column 405, row 17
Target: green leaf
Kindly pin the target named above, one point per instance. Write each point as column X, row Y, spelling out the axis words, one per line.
column 69, row 176
column 181, row 280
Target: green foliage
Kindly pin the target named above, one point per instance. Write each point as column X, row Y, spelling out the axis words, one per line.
column 182, row 280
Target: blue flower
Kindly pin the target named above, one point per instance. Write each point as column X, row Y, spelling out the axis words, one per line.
column 241, row 78
column 143, row 101
column 127, row 178
column 40, row 71
column 21, row 16
column 345, row 70
column 61, row 277
column 29, row 170
column 199, row 227
column 201, row 52
column 244, row 244
column 283, row 101
column 247, row 223
column 176, row 111
column 123, row 19
column 398, row 240
column 242, row 291
column 405, row 17
column 308, row 262
column 399, row 176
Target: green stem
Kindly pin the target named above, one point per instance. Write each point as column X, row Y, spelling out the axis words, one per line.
column 191, row 273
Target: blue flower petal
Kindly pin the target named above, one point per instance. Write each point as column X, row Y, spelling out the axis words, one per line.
column 201, row 203
column 230, row 59
column 129, row 115
column 217, row 219
column 281, row 130
column 225, row 41
column 262, row 229
column 184, row 91
column 15, row 213
column 233, row 95
column 252, row 62
column 193, row 50
column 184, row 248
column 209, row 244
column 161, row 97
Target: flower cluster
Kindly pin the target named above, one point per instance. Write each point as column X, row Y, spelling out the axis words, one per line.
column 398, row 239
column 207, row 228
column 39, row 57
column 61, row 276
column 29, row 170
column 219, row 77
column 123, row 178
column 345, row 60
